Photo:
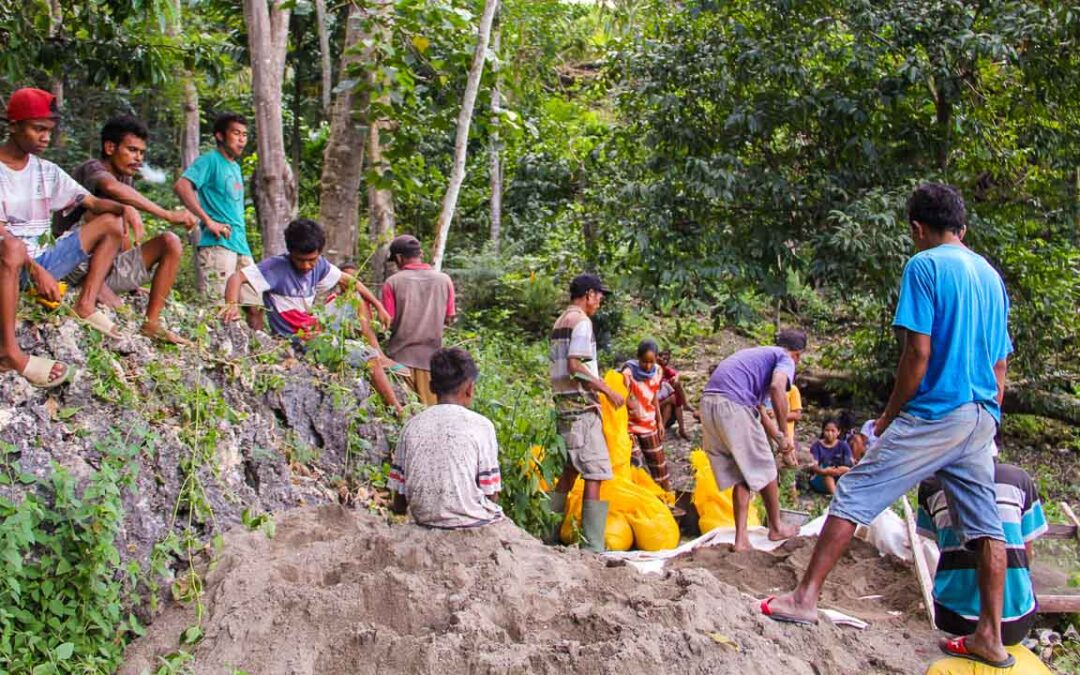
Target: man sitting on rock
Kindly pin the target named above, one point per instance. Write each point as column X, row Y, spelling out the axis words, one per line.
column 156, row 260
column 446, row 465
column 286, row 286
column 31, row 190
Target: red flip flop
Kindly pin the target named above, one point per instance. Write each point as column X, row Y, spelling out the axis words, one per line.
column 783, row 618
column 958, row 647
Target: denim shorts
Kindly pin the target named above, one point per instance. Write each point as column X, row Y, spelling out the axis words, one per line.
column 957, row 448
column 60, row 259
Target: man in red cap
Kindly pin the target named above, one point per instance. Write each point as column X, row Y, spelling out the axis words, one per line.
column 31, row 190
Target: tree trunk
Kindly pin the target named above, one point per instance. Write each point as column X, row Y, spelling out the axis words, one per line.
column 380, row 203
column 275, row 184
column 189, row 134
column 324, row 55
column 496, row 151
column 343, row 159
column 464, row 121
column 56, row 23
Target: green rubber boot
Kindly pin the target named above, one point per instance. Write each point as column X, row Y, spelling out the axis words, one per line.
column 557, row 507
column 593, row 525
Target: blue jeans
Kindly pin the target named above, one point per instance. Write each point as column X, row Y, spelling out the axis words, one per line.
column 61, row 258
column 958, row 448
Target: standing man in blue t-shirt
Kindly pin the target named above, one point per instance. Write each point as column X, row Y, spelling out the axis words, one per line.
column 941, row 418
column 213, row 189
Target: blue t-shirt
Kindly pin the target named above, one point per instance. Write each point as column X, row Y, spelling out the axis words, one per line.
column 744, row 377
column 289, row 294
column 959, row 300
column 220, row 185
column 956, row 582
column 837, row 455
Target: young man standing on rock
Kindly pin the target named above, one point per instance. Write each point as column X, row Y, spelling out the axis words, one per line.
column 736, row 429
column 421, row 304
column 157, row 260
column 213, row 189
column 575, row 380
column 31, row 190
column 446, row 466
column 941, row 418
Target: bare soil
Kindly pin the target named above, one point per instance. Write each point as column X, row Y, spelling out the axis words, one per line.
column 340, row 591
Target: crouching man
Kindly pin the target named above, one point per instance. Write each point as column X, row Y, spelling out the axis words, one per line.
column 446, row 466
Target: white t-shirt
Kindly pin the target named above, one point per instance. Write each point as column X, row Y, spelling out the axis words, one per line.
column 28, row 198
column 446, row 463
column 583, row 344
column 868, row 431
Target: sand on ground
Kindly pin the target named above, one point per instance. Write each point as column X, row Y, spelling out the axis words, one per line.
column 340, row 591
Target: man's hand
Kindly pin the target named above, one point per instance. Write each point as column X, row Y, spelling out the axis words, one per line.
column 230, row 313
column 46, row 285
column 616, row 399
column 384, row 316
column 787, row 445
column 219, row 230
column 661, row 432
column 882, row 424
column 133, row 223
column 184, row 218
column 841, row 470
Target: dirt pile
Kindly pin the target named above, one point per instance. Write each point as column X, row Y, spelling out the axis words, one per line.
column 338, row 591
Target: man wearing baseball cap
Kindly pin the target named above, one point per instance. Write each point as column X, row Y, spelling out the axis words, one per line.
column 420, row 301
column 576, row 381
column 31, row 190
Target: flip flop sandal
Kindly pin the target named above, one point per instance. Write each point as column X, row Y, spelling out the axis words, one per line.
column 163, row 334
column 38, row 372
column 958, row 647
column 783, row 618
column 98, row 321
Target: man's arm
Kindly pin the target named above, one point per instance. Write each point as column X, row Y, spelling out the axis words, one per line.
column 909, row 375
column 580, row 371
column 368, row 297
column 125, row 194
column 232, row 296
column 185, row 192
column 1001, row 375
column 132, row 219
column 778, row 394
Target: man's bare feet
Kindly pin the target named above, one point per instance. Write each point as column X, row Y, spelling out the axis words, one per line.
column 782, row 532
column 742, row 546
column 108, row 298
column 155, row 331
column 785, row 608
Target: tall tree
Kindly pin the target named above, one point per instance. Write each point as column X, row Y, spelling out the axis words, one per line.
column 275, row 185
column 495, row 149
column 380, row 191
column 324, row 56
column 461, row 140
column 343, row 159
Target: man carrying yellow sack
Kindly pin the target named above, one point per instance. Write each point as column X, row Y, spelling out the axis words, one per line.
column 575, row 381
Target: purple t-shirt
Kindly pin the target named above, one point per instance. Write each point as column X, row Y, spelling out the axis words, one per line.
column 744, row 377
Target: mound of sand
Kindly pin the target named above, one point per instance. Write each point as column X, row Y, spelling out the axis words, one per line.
column 338, row 591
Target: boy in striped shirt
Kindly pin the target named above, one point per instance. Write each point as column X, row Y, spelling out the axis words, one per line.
column 956, row 587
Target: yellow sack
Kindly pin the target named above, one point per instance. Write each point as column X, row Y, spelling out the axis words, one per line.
column 616, row 424
column 531, row 467
column 653, row 526
column 618, row 536
column 713, row 505
column 1026, row 664
column 642, row 478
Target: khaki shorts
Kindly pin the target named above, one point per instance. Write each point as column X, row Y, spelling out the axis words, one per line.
column 420, row 381
column 217, row 264
column 736, row 444
column 583, row 434
column 128, row 272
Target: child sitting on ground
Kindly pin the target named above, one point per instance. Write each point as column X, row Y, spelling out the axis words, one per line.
column 643, row 377
column 286, row 286
column 672, row 397
column 832, row 458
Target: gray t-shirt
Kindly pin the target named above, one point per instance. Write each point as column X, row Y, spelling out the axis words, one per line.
column 446, row 464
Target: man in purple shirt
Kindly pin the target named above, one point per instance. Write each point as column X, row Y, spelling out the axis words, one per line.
column 734, row 427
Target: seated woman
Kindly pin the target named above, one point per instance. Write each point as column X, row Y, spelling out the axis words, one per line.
column 643, row 377
column 832, row 458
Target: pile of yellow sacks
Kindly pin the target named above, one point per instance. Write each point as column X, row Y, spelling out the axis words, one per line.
column 638, row 513
column 714, row 505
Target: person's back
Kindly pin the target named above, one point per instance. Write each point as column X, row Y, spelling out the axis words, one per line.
column 959, row 300
column 956, row 589
column 744, row 376
column 421, row 304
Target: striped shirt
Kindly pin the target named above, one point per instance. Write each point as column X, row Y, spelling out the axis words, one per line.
column 288, row 293
column 29, row 197
column 956, row 585
column 572, row 337
column 446, row 464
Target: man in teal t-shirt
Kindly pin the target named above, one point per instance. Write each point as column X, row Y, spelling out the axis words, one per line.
column 940, row 419
column 213, row 189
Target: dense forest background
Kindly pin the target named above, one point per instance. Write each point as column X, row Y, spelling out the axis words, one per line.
column 725, row 164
